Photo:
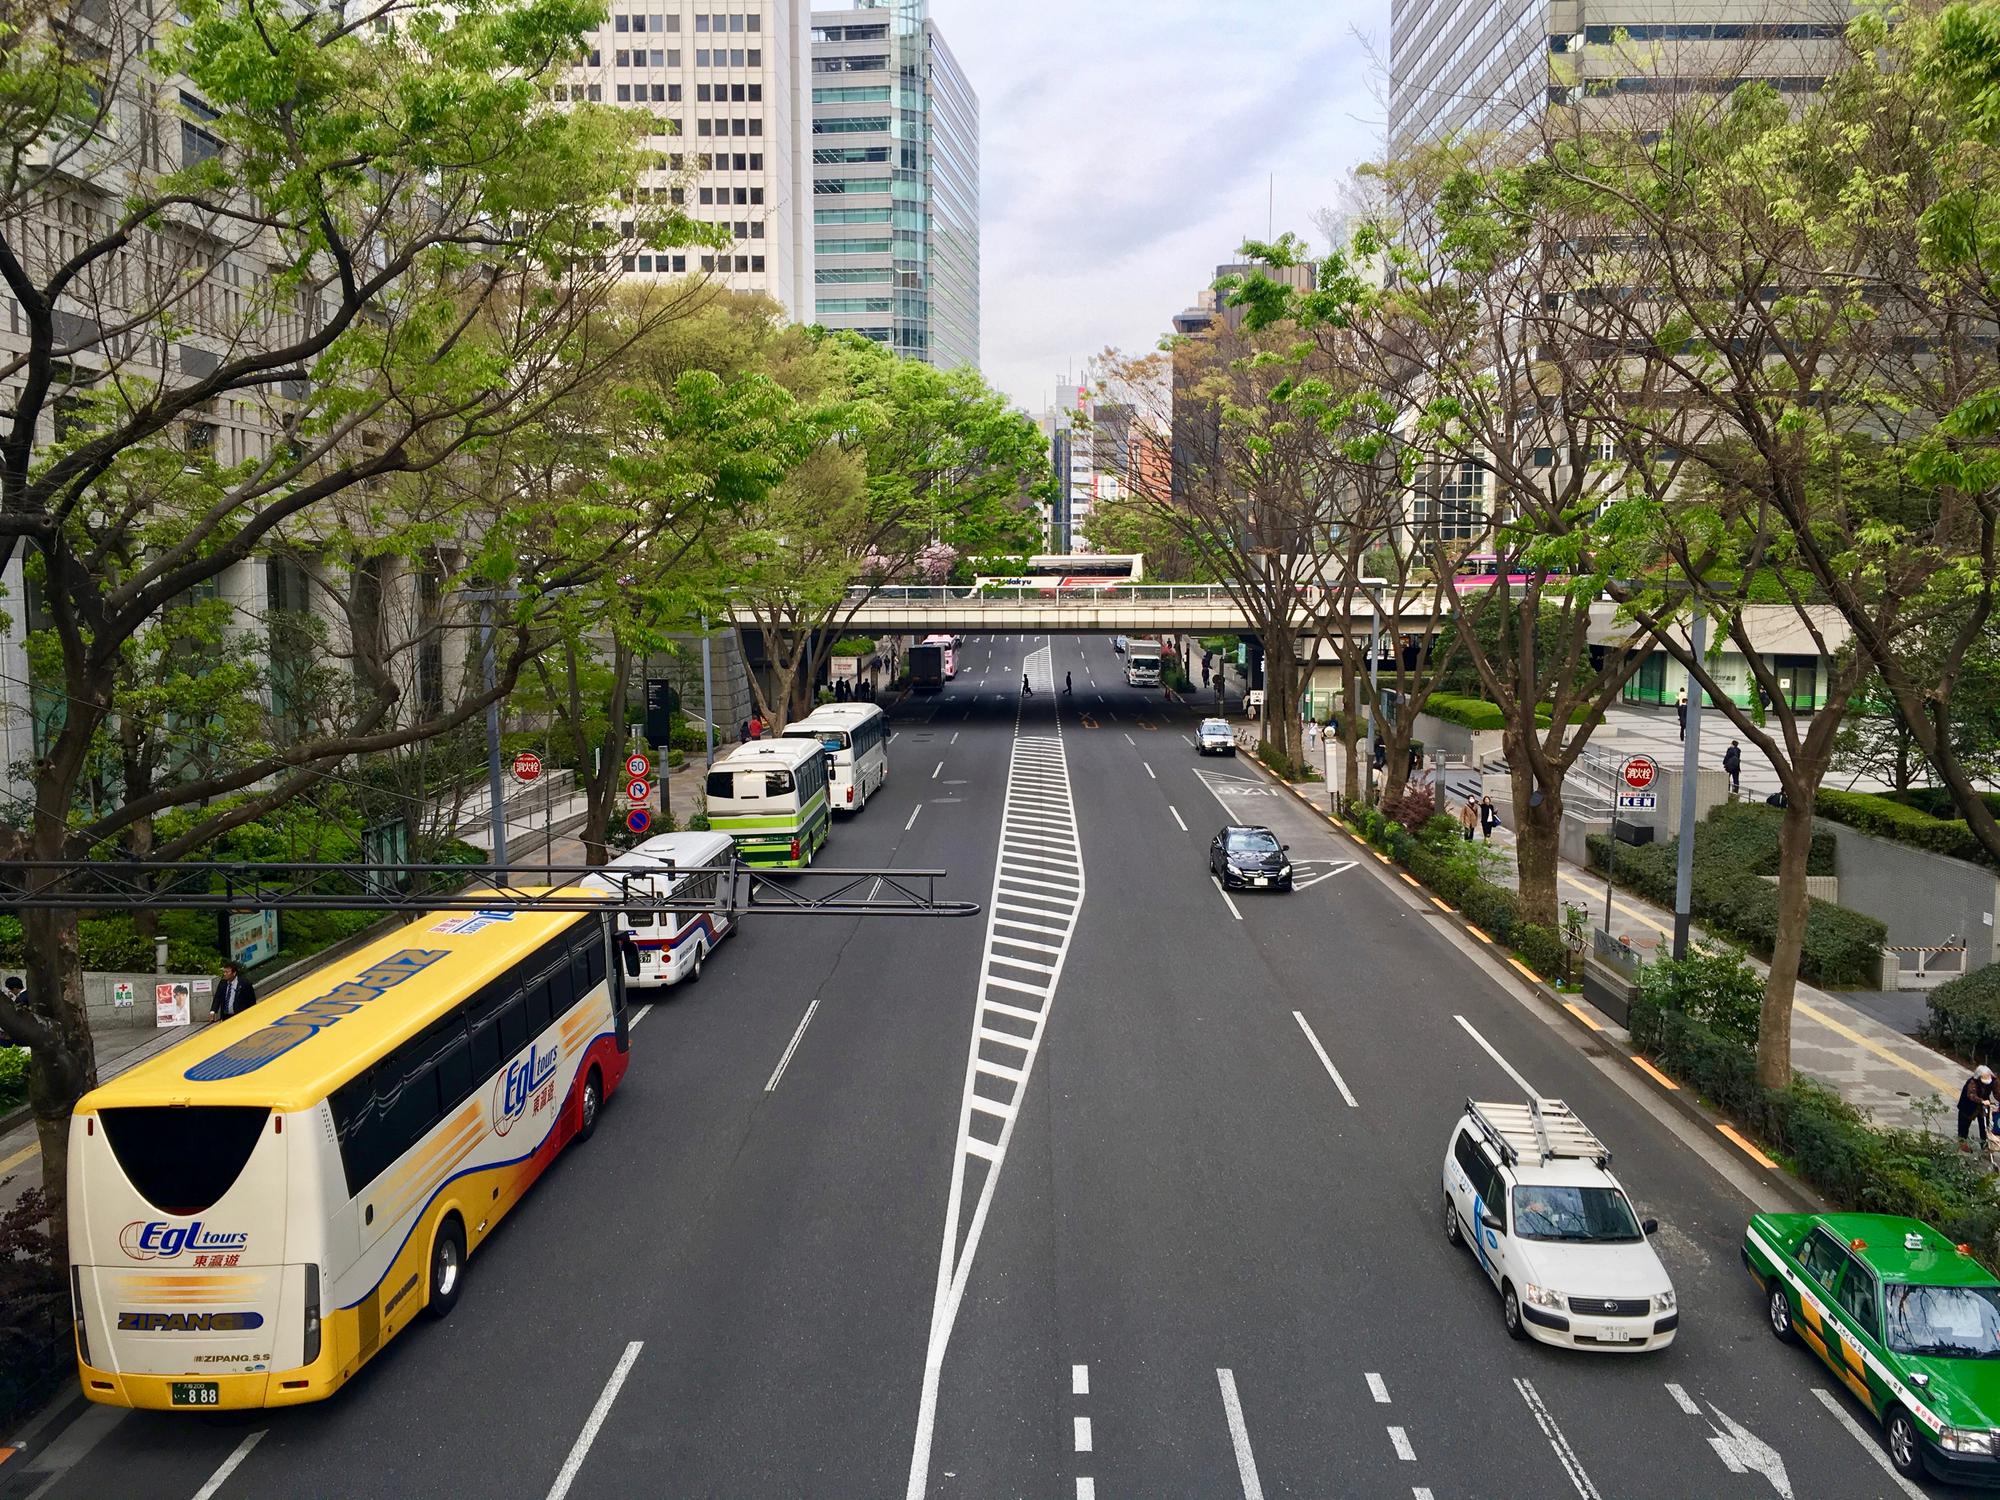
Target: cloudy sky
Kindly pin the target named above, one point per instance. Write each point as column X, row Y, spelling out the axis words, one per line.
column 1127, row 146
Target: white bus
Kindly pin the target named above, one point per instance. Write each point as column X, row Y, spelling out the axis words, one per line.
column 856, row 739
column 672, row 942
column 770, row 796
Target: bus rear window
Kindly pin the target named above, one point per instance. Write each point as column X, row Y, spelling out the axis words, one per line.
column 777, row 783
column 183, row 1160
column 722, row 784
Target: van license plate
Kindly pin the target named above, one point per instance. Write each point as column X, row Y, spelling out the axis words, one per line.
column 195, row 1393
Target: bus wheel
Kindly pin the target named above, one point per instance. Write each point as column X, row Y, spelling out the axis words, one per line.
column 447, row 1267
column 700, row 953
column 593, row 1100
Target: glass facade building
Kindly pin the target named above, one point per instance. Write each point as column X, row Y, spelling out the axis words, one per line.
column 895, row 189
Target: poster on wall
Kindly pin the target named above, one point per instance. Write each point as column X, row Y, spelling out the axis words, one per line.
column 170, row 1005
column 253, row 937
column 122, row 995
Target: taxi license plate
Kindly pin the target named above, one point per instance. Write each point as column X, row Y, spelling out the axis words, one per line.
column 1609, row 1335
column 1263, row 880
column 195, row 1393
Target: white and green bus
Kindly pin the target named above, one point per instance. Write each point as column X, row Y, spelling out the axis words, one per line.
column 771, row 797
column 856, row 739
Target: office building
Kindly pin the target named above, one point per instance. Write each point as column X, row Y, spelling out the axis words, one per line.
column 1474, row 67
column 727, row 82
column 895, row 182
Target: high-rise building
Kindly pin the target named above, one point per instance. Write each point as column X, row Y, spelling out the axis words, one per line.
column 727, row 79
column 1459, row 67
column 895, row 182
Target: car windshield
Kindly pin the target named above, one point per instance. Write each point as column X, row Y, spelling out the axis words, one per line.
column 1580, row 1215
column 1955, row 1322
column 1252, row 841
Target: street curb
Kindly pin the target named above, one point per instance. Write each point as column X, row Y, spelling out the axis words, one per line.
column 19, row 1115
column 1572, row 1011
column 38, row 1432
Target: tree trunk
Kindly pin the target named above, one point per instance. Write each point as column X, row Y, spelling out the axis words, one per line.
column 1350, row 724
column 58, row 1076
column 1537, row 838
column 1774, row 1025
column 601, row 785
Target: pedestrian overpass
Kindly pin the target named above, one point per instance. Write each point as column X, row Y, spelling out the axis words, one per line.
column 1142, row 610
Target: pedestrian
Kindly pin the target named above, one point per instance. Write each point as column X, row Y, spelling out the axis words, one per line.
column 1069, row 685
column 234, row 995
column 1489, row 817
column 756, row 726
column 17, row 996
column 1381, row 753
column 1206, row 675
column 1468, row 818
column 1681, row 711
column 743, row 733
column 1732, row 762
column 1975, row 1105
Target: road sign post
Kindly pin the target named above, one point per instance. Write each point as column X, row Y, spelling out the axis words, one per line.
column 527, row 767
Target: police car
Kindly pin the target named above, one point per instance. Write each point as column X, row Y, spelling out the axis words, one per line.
column 1215, row 737
column 1908, row 1322
column 1530, row 1190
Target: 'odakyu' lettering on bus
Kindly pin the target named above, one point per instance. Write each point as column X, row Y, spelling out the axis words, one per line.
column 284, row 1032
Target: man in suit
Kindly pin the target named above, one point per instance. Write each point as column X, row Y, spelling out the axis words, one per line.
column 234, row 994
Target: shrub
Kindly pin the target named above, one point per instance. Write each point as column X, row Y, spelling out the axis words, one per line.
column 1542, row 950
column 1468, row 713
column 1415, row 807
column 1852, row 1163
column 1713, row 984
column 1937, row 800
column 1889, row 819
column 35, row 1347
column 853, row 645
column 13, row 1077
column 1965, row 1015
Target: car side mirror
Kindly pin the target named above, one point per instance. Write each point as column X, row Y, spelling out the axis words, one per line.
column 1649, row 1226
column 1284, row 848
column 1491, row 1220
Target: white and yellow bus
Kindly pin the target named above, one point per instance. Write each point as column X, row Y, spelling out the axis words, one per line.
column 256, row 1211
column 856, row 739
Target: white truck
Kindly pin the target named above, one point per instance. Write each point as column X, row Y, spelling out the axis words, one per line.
column 1142, row 664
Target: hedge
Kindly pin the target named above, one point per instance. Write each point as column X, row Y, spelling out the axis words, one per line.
column 1733, row 850
column 1889, row 819
column 1479, row 713
column 1938, row 802
column 1854, row 1164
column 13, row 1077
column 1965, row 1015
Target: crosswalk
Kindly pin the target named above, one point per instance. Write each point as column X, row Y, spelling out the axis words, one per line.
column 1038, row 888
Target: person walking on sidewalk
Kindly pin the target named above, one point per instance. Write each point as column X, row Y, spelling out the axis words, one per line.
column 17, row 996
column 1681, row 712
column 1732, row 762
column 1975, row 1104
column 234, row 995
column 1489, row 817
column 1468, row 817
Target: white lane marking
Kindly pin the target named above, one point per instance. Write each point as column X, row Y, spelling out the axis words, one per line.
column 778, row 1072
column 1867, row 1440
column 1188, row 740
column 934, row 774
column 1683, row 1400
column 1149, row 769
column 913, row 817
column 1420, row 1493
column 1374, row 1381
column 228, row 1467
column 1132, row 742
column 1239, row 1435
column 954, row 736
column 1526, row 1087
column 1079, row 1380
column 581, row 1448
column 1225, row 898
column 1086, row 1489
column 1400, row 1441
column 638, row 1015
column 892, row 735
column 1038, row 800
column 1338, row 869
column 1565, row 1455
column 1177, row 816
column 1376, row 1387
column 1082, row 1429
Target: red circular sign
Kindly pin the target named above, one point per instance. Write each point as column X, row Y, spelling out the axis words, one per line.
column 527, row 766
column 638, row 766
column 638, row 820
column 638, row 791
column 1639, row 772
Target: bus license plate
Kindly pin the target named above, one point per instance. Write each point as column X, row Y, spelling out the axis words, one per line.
column 195, row 1393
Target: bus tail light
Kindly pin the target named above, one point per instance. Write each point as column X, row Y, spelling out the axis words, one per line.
column 312, row 1315
column 76, row 1309
column 795, row 848
column 850, row 795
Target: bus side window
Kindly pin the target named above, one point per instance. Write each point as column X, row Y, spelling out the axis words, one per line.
column 411, row 1110
column 586, row 934
column 562, row 994
column 593, row 957
column 722, row 784
column 513, row 1026
column 454, row 1071
column 536, row 997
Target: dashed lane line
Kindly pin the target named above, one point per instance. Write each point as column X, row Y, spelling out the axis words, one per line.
column 1177, row 816
column 1473, row 1032
column 913, row 817
column 1225, row 898
column 1239, row 1437
column 229, row 1466
column 1846, row 1419
column 1374, row 1381
column 580, row 1450
column 1565, row 1454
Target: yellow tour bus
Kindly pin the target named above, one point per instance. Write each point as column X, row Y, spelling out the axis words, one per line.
column 256, row 1211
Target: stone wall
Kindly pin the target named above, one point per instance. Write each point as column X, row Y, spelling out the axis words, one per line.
column 1926, row 899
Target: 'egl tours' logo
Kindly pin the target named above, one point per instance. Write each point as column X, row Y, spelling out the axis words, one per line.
column 527, row 1087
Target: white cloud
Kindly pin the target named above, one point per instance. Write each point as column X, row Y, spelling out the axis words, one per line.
column 1126, row 149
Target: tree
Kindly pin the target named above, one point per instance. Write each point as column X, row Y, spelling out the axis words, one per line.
column 1877, row 742
column 370, row 255
column 899, row 466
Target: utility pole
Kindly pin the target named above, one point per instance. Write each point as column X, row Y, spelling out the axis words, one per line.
column 707, row 690
column 1690, row 769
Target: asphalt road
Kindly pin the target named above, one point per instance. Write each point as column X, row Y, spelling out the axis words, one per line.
column 838, row 1235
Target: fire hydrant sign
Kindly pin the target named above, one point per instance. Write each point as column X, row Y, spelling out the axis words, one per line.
column 1637, row 795
column 527, row 767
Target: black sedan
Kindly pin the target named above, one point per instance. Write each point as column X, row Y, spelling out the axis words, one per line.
column 1249, row 855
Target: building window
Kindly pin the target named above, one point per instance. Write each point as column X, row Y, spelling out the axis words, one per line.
column 620, row 59
column 756, row 262
column 708, row 195
column 597, row 93
column 757, row 229
column 621, row 23
column 624, row 93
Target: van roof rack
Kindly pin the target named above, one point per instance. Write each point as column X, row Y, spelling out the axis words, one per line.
column 1540, row 1131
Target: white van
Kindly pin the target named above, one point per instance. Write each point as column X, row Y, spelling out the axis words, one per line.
column 672, row 941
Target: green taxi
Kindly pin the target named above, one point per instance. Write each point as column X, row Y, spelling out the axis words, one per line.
column 1906, row 1320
